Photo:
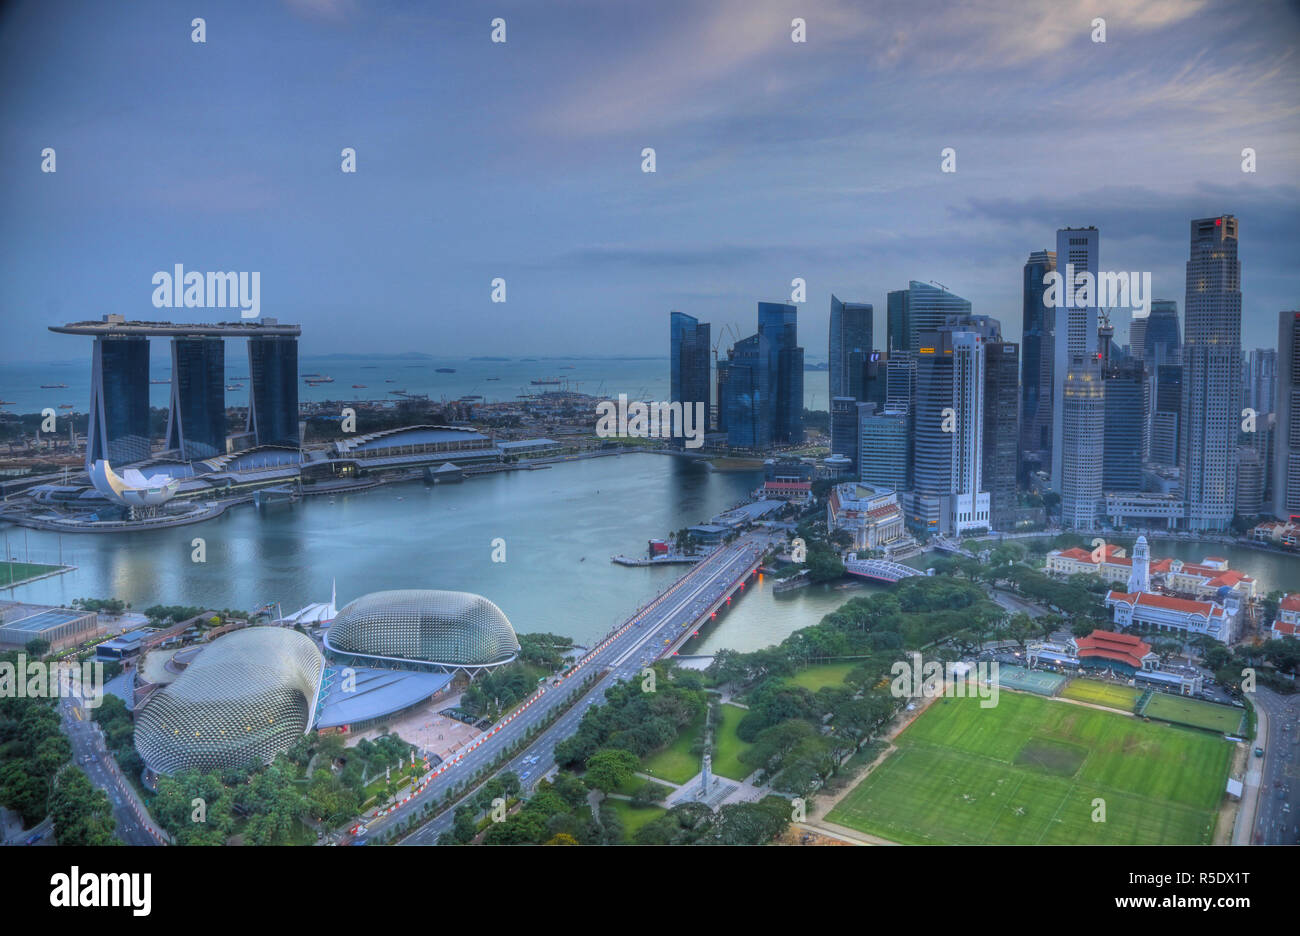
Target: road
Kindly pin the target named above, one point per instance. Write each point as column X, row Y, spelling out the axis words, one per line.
column 88, row 752
column 1275, row 818
column 655, row 630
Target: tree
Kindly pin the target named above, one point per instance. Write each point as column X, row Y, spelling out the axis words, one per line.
column 610, row 768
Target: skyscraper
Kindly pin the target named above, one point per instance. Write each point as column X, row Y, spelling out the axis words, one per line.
column 764, row 382
column 1074, row 335
column 850, row 331
column 1160, row 341
column 947, row 468
column 884, row 448
column 865, row 377
column 1286, row 434
column 273, row 394
column 196, row 421
column 1166, row 412
column 1125, row 399
column 1261, row 380
column 118, row 426
column 1211, row 410
column 1001, row 430
column 920, row 308
column 1082, row 444
column 689, row 350
column 844, row 429
column 1036, row 360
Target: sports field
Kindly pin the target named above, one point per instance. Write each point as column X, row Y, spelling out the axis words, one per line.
column 1030, row 770
column 1027, row 680
column 1113, row 695
column 1221, row 718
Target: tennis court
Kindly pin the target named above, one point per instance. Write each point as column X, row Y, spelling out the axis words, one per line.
column 1027, row 680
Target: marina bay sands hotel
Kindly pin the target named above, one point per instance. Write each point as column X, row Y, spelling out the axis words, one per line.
column 118, row 428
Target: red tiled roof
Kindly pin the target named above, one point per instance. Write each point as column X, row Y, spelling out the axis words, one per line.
column 1284, row 627
column 1124, row 648
column 1182, row 605
column 1290, row 602
column 787, row 485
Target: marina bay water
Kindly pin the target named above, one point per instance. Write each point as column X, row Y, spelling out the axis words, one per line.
column 495, row 381
column 560, row 525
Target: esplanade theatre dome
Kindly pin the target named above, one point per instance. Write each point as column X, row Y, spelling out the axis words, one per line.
column 446, row 629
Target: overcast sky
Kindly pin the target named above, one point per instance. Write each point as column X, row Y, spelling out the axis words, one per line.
column 522, row 160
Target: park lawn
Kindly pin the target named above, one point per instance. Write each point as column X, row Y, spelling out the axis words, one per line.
column 822, row 674
column 1102, row 693
column 675, row 763
column 727, row 747
column 1225, row 719
column 1031, row 770
column 634, row 817
column 14, row 572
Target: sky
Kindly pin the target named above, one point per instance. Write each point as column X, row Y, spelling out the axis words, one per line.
column 523, row 160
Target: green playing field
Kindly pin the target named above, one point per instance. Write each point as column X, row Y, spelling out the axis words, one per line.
column 1032, row 770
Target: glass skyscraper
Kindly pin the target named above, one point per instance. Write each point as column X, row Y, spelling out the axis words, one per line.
column 850, row 332
column 1001, row 430
column 1161, row 342
column 118, row 427
column 689, row 350
column 920, row 308
column 196, row 423
column 1125, row 403
column 1036, row 401
column 273, row 397
column 763, row 382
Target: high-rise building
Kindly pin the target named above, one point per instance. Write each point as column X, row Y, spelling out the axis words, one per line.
column 1286, row 432
column 764, row 382
column 1082, row 444
column 1250, row 481
column 1261, row 380
column 273, row 394
column 844, row 428
column 900, row 381
column 1001, row 430
column 920, row 308
column 196, row 421
column 1074, row 335
column 884, row 448
column 1160, row 339
column 1211, row 410
column 1036, row 359
column 850, row 332
column 865, row 377
column 118, row 427
column 1166, row 412
column 689, row 350
column 948, row 495
column 1125, row 406
column 722, row 375
column 1137, row 336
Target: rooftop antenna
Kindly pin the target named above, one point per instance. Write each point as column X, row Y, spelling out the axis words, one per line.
column 939, row 284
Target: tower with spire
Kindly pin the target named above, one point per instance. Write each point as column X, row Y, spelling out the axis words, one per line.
column 1140, row 579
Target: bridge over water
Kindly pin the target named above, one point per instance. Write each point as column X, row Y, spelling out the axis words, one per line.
column 880, row 570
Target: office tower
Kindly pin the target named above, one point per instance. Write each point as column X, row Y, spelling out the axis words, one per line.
column 749, row 425
column 1250, row 481
column 920, row 308
column 1082, row 444
column 865, row 377
column 1286, row 432
column 947, row 466
column 851, row 331
column 1037, row 400
column 689, row 350
column 900, row 381
column 778, row 328
column 118, row 425
column 1211, row 354
column 1160, row 340
column 1261, row 380
column 273, row 394
column 884, row 448
column 1137, row 336
column 1166, row 414
column 844, row 428
column 1001, row 430
column 196, row 420
column 1125, row 406
column 723, row 373
column 1074, row 333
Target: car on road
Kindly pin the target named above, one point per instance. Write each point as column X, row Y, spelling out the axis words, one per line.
column 1259, row 752
column 34, row 838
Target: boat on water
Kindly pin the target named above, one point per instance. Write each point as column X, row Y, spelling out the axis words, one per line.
column 319, row 380
column 65, row 406
column 359, row 386
column 546, row 382
column 389, row 380
column 54, row 386
column 493, row 378
column 566, row 367
column 445, row 370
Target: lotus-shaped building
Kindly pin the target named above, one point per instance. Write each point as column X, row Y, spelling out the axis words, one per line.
column 445, row 630
column 132, row 488
column 250, row 695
